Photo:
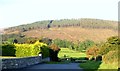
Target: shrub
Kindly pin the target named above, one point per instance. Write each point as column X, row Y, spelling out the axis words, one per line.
column 113, row 40
column 111, row 44
column 8, row 50
column 85, row 44
column 63, row 43
column 45, row 51
column 111, row 57
column 109, row 50
column 46, row 40
column 92, row 51
column 54, row 49
column 26, row 50
column 30, row 40
column 23, row 50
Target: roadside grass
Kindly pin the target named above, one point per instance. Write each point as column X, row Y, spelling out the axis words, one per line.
column 109, row 66
column 70, row 53
column 90, row 65
column 99, row 66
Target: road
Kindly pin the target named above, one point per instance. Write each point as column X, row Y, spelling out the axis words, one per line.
column 54, row 67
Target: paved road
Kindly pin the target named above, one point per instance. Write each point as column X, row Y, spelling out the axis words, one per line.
column 55, row 67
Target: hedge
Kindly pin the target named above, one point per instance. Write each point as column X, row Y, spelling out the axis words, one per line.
column 25, row 50
column 7, row 49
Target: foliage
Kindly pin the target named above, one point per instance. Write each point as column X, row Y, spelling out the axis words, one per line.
column 46, row 40
column 108, row 50
column 45, row 51
column 113, row 40
column 30, row 40
column 79, row 46
column 85, row 45
column 84, row 23
column 111, row 44
column 23, row 50
column 54, row 49
column 26, row 50
column 63, row 43
column 7, row 49
column 92, row 51
column 111, row 57
column 8, row 39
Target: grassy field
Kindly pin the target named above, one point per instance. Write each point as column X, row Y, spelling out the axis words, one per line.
column 70, row 53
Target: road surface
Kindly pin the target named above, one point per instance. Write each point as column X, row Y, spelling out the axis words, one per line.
column 61, row 67
column 54, row 67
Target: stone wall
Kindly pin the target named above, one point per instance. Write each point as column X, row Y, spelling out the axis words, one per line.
column 12, row 63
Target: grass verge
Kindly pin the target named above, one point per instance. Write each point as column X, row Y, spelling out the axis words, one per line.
column 99, row 66
column 90, row 65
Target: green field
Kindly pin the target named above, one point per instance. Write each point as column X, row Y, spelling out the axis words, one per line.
column 70, row 53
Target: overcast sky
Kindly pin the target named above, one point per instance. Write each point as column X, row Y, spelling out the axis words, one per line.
column 17, row 12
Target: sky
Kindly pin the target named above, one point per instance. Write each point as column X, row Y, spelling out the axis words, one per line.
column 18, row 12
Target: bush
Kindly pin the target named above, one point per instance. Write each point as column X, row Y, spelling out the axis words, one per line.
column 46, row 40
column 85, row 44
column 113, row 40
column 111, row 45
column 8, row 50
column 109, row 50
column 23, row 50
column 54, row 49
column 92, row 51
column 79, row 46
column 111, row 57
column 63, row 43
column 45, row 51
column 26, row 50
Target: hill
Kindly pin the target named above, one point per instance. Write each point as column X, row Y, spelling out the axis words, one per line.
column 73, row 33
column 69, row 29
